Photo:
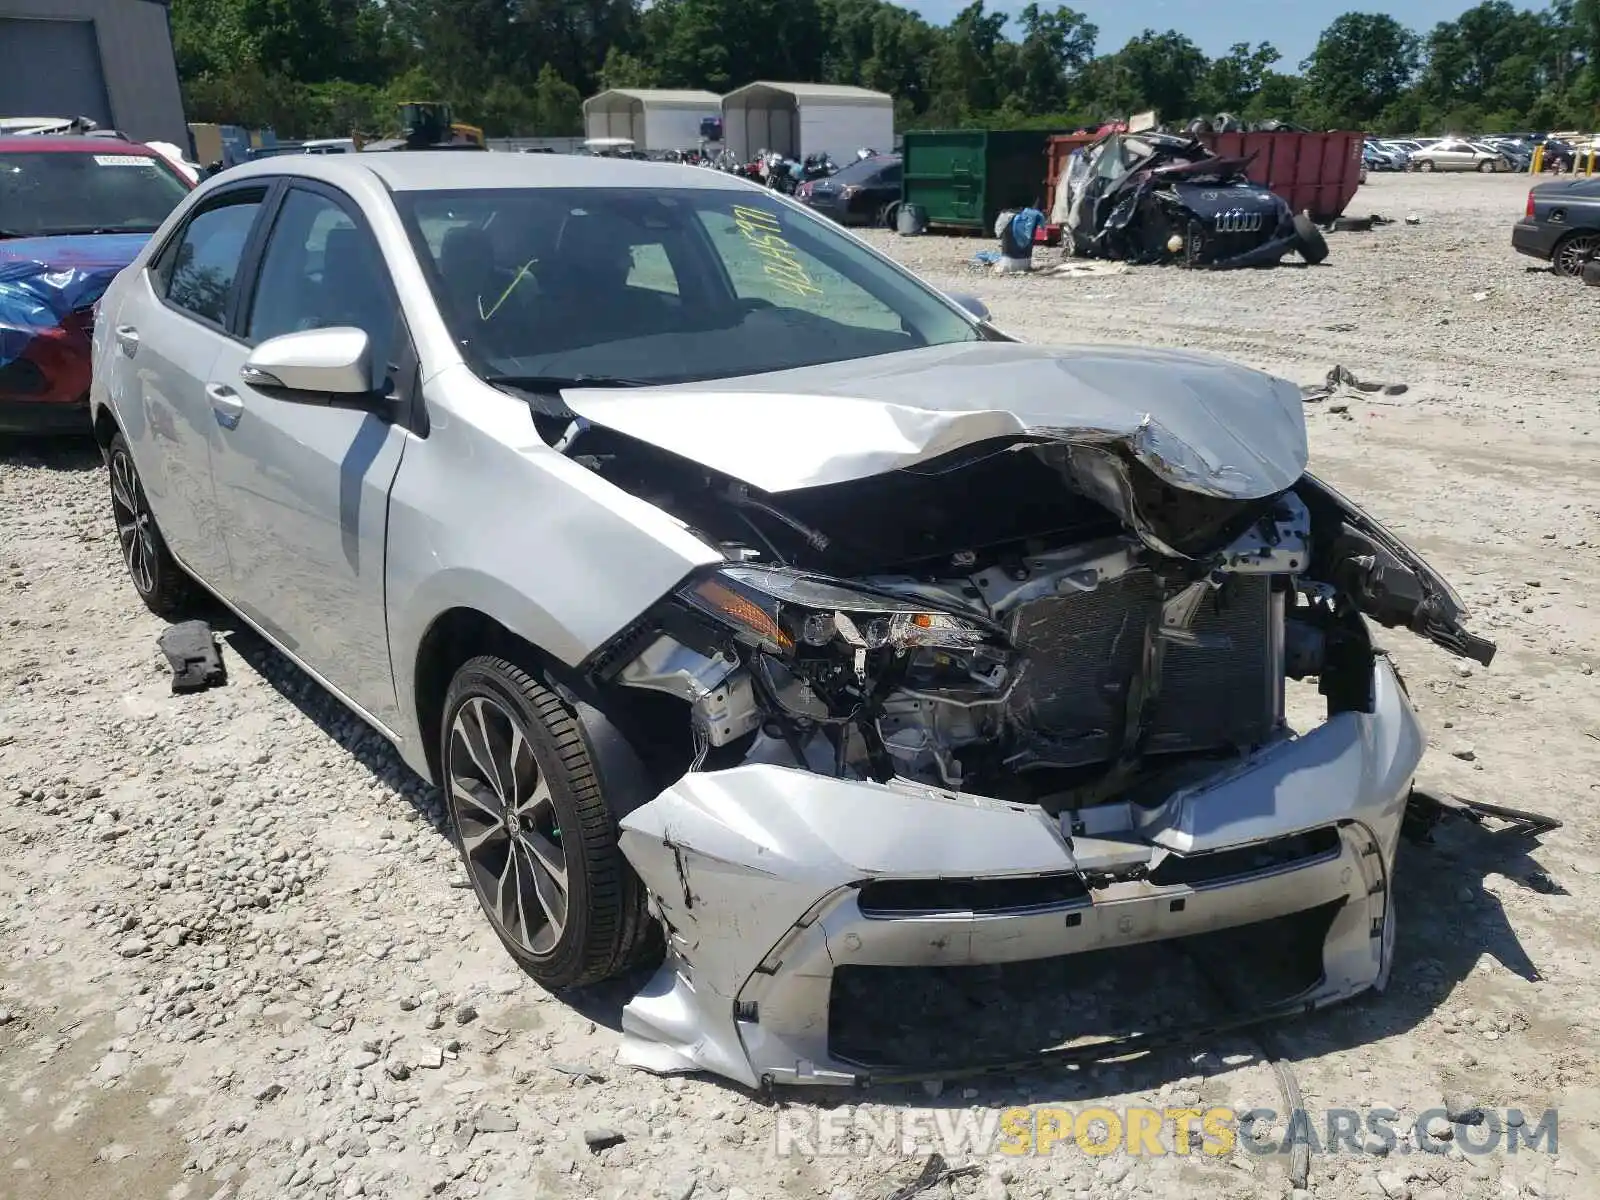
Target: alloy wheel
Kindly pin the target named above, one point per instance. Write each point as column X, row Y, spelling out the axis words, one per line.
column 135, row 525
column 507, row 823
column 1574, row 253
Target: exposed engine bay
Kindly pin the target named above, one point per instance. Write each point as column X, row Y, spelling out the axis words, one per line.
column 986, row 624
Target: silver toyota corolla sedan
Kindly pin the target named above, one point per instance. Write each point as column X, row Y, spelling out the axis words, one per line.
column 760, row 610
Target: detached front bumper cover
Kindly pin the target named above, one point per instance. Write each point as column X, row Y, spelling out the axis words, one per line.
column 769, row 879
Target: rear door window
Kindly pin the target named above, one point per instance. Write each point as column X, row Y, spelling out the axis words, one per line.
column 202, row 267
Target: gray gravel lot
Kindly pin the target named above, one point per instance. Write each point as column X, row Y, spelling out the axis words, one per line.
column 238, row 957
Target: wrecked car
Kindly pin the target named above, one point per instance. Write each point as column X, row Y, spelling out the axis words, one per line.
column 1157, row 197
column 761, row 612
column 74, row 210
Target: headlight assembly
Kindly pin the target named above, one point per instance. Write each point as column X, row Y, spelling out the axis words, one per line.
column 783, row 611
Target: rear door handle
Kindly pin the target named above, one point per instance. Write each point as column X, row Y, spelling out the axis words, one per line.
column 128, row 340
column 226, row 404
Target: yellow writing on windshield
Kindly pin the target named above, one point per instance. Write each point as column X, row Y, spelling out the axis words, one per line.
column 762, row 231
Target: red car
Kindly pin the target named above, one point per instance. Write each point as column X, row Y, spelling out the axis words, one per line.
column 73, row 212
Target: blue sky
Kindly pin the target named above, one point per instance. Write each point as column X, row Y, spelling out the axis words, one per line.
column 1290, row 25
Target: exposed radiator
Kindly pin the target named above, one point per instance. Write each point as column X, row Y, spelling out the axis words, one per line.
column 1084, row 650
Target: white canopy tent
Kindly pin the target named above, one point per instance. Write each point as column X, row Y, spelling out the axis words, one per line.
column 652, row 118
column 797, row 119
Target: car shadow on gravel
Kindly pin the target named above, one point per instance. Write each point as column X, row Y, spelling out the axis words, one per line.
column 1447, row 921
column 65, row 454
column 601, row 1004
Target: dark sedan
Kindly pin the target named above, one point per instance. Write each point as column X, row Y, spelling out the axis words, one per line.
column 862, row 193
column 1561, row 225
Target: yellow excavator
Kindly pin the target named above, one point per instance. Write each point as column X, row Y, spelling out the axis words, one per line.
column 428, row 125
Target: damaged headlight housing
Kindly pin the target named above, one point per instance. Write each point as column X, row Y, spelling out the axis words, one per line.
column 785, row 613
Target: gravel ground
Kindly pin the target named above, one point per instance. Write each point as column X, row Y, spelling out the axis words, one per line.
column 238, row 956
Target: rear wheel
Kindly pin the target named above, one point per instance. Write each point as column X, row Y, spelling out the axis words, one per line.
column 538, row 843
column 1575, row 253
column 156, row 575
column 1313, row 246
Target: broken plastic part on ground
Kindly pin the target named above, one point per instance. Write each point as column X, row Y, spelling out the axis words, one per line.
column 195, row 655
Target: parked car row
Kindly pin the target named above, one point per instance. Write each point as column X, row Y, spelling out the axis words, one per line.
column 1492, row 152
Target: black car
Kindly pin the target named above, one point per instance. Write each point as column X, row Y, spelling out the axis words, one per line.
column 1153, row 197
column 1561, row 225
column 1558, row 155
column 866, row 192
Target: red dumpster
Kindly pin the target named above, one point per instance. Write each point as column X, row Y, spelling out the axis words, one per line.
column 1317, row 173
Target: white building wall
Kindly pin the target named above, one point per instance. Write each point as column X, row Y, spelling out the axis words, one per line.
column 841, row 127
column 626, row 122
column 673, row 127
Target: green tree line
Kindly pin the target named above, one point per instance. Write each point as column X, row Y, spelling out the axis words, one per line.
column 522, row 67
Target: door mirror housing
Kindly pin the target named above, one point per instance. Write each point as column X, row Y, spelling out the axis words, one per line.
column 314, row 363
column 972, row 304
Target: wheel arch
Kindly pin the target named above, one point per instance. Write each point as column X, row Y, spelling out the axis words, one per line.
column 613, row 734
column 105, row 428
column 451, row 639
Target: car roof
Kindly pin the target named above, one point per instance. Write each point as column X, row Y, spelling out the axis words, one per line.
column 21, row 143
column 467, row 170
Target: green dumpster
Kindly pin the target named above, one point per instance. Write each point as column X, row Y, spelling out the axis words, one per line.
column 964, row 178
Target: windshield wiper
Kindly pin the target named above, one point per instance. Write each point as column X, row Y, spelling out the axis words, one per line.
column 556, row 383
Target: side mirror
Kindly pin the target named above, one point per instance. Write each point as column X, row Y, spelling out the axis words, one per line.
column 318, row 363
column 972, row 304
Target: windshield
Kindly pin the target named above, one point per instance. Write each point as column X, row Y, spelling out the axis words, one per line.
column 660, row 285
column 45, row 192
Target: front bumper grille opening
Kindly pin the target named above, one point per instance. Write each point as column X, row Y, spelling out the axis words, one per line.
column 1267, row 858
column 905, row 897
column 932, row 1018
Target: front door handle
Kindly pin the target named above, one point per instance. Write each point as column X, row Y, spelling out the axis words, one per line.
column 226, row 404
column 128, row 340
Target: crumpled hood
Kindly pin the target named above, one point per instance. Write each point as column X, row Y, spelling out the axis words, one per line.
column 1200, row 423
column 42, row 280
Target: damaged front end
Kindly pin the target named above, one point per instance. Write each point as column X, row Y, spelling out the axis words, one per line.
column 1022, row 700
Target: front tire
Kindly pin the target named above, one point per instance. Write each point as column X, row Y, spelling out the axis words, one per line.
column 156, row 575
column 1425, row 165
column 1313, row 246
column 539, row 845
